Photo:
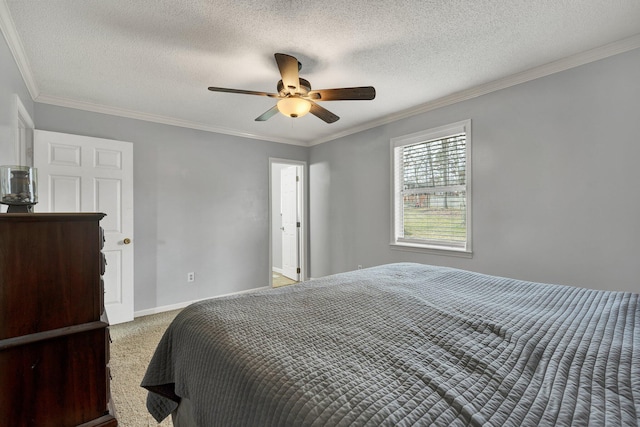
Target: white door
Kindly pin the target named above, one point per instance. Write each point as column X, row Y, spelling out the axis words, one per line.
column 289, row 209
column 84, row 174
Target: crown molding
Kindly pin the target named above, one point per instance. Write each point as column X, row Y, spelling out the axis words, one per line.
column 8, row 29
column 137, row 115
column 544, row 70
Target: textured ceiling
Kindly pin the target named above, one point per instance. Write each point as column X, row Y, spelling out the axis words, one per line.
column 154, row 59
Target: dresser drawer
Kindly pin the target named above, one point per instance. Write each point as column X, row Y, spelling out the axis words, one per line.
column 50, row 272
column 62, row 376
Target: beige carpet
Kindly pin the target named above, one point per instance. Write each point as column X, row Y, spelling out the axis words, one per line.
column 132, row 347
column 280, row 280
column 131, row 350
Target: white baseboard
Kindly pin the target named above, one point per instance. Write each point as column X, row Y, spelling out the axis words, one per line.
column 276, row 269
column 179, row 305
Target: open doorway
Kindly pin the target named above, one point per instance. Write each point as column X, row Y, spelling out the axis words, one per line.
column 287, row 221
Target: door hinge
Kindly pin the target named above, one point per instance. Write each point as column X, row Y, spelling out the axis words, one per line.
column 297, row 178
column 298, row 224
column 298, row 270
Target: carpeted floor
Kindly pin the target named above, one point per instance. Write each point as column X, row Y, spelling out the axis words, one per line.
column 131, row 350
column 132, row 347
column 280, row 280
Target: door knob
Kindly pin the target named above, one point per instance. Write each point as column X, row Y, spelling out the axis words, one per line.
column 126, row 241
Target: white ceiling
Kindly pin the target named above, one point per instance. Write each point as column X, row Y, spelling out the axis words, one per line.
column 154, row 59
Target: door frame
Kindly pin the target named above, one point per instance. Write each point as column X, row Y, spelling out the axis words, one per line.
column 302, row 210
column 23, row 128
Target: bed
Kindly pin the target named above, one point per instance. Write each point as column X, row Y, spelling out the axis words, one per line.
column 399, row 345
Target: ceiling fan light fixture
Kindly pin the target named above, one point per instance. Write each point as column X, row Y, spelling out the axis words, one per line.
column 294, row 106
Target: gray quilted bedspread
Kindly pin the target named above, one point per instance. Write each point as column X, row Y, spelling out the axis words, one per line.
column 404, row 344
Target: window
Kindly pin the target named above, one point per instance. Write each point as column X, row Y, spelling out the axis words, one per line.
column 431, row 189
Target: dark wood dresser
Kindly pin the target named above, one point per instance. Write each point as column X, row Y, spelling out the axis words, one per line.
column 54, row 337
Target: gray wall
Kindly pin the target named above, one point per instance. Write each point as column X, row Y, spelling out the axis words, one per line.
column 555, row 188
column 200, row 204
column 556, row 182
column 11, row 84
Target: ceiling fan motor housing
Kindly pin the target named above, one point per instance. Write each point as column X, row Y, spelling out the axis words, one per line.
column 305, row 87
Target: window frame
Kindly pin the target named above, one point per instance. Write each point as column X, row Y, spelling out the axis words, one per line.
column 397, row 204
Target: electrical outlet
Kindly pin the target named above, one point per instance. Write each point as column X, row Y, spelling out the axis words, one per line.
column 191, row 277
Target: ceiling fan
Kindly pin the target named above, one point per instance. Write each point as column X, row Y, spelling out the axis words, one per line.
column 296, row 97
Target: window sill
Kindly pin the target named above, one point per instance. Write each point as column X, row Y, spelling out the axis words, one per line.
column 455, row 252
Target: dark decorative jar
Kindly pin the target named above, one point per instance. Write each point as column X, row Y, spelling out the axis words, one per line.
column 18, row 188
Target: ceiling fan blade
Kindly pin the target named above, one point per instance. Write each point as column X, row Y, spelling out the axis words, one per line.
column 288, row 66
column 323, row 113
column 267, row 114
column 344, row 94
column 245, row 92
